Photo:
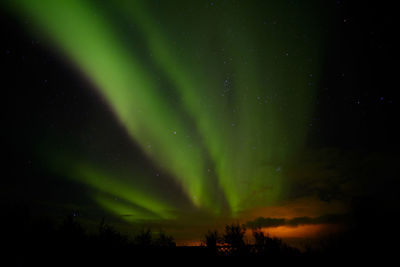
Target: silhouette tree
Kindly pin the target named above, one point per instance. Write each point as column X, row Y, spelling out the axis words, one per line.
column 234, row 237
column 144, row 238
column 163, row 240
column 71, row 229
column 109, row 236
column 274, row 247
column 259, row 237
column 212, row 239
column 262, row 242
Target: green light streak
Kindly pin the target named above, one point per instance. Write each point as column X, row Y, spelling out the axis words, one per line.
column 123, row 189
column 229, row 133
column 222, row 143
column 116, row 190
column 80, row 31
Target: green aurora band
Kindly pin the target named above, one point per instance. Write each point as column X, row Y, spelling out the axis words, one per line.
column 220, row 99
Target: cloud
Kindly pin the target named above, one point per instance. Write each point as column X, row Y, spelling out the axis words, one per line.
column 275, row 222
column 266, row 222
column 334, row 174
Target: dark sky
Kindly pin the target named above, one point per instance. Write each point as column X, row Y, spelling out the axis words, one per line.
column 347, row 164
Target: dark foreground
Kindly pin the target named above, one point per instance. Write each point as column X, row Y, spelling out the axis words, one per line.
column 42, row 243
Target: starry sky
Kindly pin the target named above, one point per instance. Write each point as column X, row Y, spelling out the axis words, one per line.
column 186, row 115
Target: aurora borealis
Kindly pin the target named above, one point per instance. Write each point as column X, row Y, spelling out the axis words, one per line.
column 203, row 109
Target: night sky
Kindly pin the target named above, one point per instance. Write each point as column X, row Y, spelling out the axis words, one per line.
column 187, row 115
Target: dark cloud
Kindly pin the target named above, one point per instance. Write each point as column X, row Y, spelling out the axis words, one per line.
column 275, row 222
column 266, row 222
column 342, row 175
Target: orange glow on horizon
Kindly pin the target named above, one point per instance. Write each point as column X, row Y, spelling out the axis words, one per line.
column 304, row 207
column 190, row 243
column 309, row 231
column 303, row 231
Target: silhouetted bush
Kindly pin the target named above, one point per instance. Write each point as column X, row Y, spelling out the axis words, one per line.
column 163, row 240
column 267, row 245
column 212, row 240
column 68, row 244
column 71, row 229
column 234, row 237
column 144, row 238
column 110, row 237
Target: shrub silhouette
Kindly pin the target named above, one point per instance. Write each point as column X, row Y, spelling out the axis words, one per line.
column 212, row 239
column 234, row 237
column 265, row 244
column 259, row 237
column 163, row 240
column 271, row 246
column 69, row 244
column 110, row 237
column 144, row 238
column 71, row 229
